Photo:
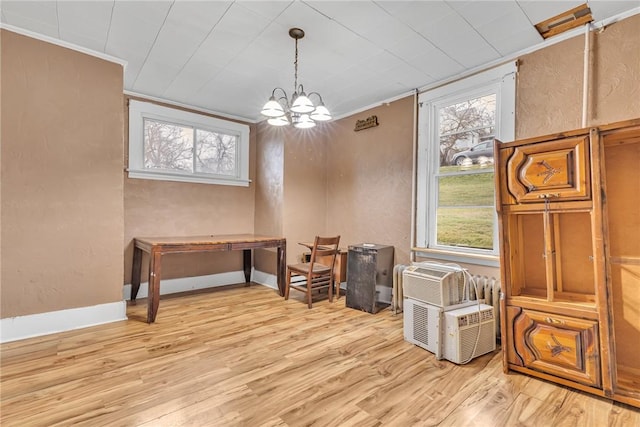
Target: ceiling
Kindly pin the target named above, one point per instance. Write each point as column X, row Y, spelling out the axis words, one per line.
column 227, row 56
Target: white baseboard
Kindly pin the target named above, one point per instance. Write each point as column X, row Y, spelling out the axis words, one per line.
column 265, row 279
column 34, row 325
column 183, row 284
column 21, row 327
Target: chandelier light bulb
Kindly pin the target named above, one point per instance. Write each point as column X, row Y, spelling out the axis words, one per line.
column 278, row 121
column 302, row 104
column 304, row 122
column 321, row 114
column 272, row 108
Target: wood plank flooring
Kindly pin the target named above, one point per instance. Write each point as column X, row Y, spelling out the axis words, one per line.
column 242, row 356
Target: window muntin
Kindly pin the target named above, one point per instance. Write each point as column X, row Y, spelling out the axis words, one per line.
column 176, row 145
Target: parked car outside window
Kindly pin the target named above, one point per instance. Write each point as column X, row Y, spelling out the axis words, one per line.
column 484, row 149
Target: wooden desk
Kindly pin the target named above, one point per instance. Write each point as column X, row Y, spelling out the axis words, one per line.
column 158, row 246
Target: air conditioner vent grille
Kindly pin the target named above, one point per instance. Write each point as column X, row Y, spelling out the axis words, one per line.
column 438, row 285
column 421, row 324
column 475, row 318
column 486, row 341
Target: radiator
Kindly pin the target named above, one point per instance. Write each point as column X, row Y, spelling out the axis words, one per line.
column 488, row 292
column 397, row 296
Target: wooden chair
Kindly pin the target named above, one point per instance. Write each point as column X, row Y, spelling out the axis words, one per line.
column 317, row 275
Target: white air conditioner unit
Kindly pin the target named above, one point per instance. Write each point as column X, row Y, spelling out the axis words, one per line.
column 422, row 325
column 468, row 332
column 433, row 283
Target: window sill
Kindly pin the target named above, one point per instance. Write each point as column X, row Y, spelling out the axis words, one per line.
column 451, row 256
column 200, row 179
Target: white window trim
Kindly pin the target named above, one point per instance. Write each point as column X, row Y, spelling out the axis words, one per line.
column 500, row 79
column 139, row 110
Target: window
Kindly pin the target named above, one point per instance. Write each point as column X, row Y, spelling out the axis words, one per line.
column 455, row 216
column 175, row 145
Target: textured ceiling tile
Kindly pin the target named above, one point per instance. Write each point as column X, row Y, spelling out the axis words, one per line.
column 185, row 28
column 601, row 9
column 85, row 23
column 38, row 16
column 355, row 53
column 134, row 27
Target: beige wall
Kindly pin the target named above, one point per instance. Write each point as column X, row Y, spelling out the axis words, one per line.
column 269, row 197
column 369, row 178
column 291, row 195
column 549, row 85
column 62, row 156
column 163, row 208
column 305, row 189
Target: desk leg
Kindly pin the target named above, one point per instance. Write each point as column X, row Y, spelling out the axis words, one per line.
column 135, row 272
column 153, row 300
column 281, row 260
column 246, row 258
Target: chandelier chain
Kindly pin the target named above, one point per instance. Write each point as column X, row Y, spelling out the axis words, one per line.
column 295, row 67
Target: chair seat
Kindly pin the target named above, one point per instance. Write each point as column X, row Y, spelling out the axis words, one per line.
column 303, row 268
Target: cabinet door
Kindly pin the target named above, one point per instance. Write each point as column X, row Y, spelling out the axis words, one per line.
column 550, row 170
column 558, row 345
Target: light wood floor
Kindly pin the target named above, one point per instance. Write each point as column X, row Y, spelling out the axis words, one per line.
column 245, row 357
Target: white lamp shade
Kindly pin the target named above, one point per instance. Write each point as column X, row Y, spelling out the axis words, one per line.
column 302, row 104
column 321, row 114
column 272, row 108
column 278, row 121
column 304, row 122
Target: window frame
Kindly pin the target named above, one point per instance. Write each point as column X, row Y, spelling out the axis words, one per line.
column 499, row 80
column 141, row 110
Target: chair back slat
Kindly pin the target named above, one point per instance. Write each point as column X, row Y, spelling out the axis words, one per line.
column 318, row 273
column 323, row 247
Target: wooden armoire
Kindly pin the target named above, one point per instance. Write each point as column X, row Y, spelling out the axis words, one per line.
column 569, row 217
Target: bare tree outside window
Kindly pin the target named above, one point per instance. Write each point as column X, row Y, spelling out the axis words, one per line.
column 215, row 152
column 172, row 147
column 167, row 146
column 464, row 125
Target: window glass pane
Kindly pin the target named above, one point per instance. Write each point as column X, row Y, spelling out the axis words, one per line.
column 466, row 131
column 465, row 150
column 466, row 190
column 215, row 152
column 470, row 114
column 468, row 227
column 167, row 146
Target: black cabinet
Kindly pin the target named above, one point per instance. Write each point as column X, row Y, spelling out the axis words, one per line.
column 369, row 276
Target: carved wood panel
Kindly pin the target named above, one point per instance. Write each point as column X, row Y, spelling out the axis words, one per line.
column 555, row 170
column 558, row 345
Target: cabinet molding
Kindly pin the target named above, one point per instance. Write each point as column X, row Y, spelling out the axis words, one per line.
column 553, row 170
column 558, row 345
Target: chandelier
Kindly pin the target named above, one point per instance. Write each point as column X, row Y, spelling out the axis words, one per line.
column 300, row 110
